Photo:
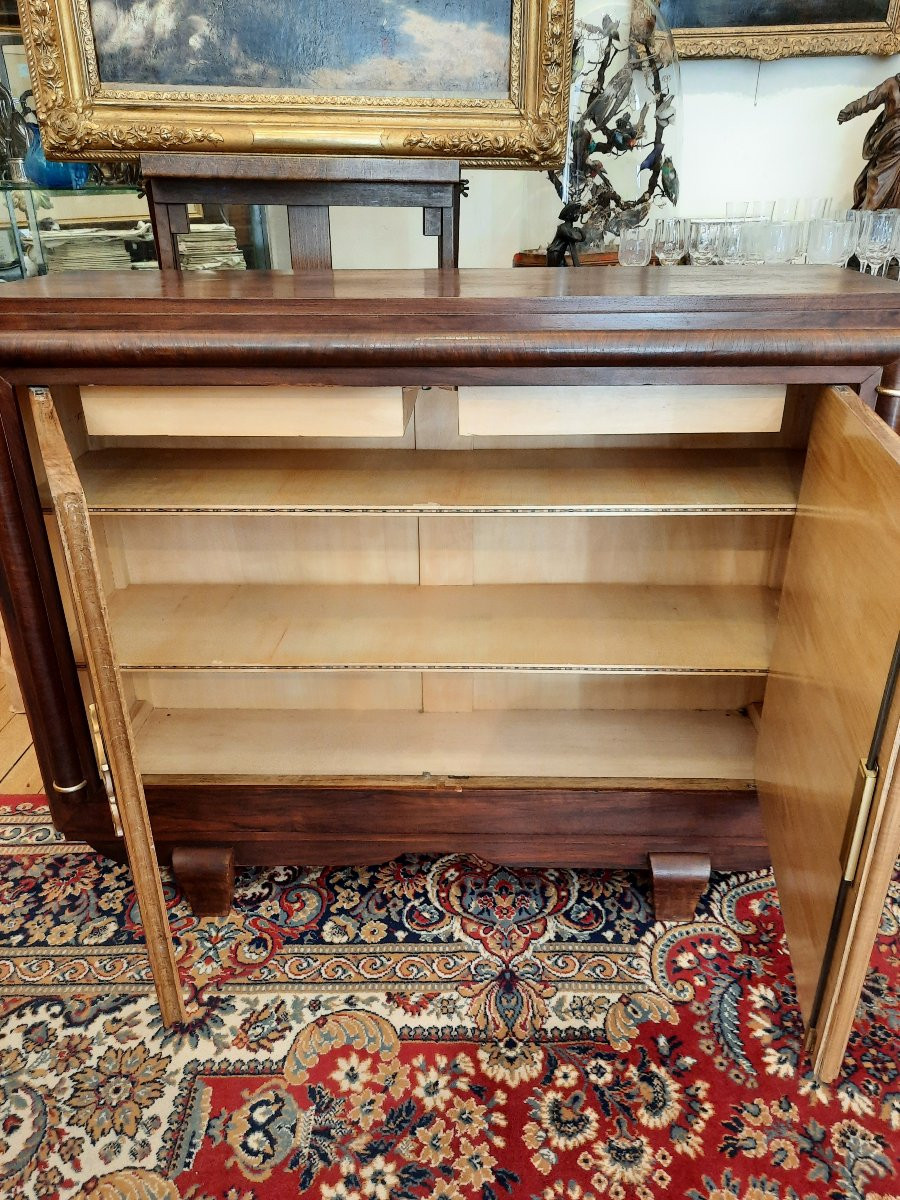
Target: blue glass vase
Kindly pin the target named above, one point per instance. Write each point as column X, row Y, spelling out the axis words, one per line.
column 61, row 175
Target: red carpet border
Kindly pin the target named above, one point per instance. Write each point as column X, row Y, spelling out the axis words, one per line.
column 431, row 1029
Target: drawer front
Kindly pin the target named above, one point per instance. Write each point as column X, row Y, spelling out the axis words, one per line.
column 247, row 411
column 548, row 411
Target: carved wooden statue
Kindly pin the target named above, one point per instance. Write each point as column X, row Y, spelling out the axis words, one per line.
column 878, row 185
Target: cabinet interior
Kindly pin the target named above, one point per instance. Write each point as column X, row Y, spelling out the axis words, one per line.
column 387, row 596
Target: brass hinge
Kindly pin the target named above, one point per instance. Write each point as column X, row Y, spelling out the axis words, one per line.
column 105, row 772
column 861, row 806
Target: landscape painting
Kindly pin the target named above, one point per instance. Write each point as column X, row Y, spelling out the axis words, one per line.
column 416, row 48
column 750, row 14
column 479, row 81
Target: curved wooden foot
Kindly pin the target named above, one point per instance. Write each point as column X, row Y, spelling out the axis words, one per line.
column 679, row 880
column 206, row 876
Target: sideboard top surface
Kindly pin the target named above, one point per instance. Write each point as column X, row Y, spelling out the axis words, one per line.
column 436, row 327
column 582, row 290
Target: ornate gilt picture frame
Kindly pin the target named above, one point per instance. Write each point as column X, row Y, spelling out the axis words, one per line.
column 113, row 78
column 770, row 29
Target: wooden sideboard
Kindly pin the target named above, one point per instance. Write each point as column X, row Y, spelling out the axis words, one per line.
column 578, row 567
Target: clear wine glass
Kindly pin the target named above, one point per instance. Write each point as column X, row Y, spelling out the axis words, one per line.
column 668, row 241
column 892, row 252
column 854, row 217
column 876, row 239
column 862, row 240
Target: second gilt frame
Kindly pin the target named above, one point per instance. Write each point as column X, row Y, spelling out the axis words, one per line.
column 83, row 115
column 748, row 37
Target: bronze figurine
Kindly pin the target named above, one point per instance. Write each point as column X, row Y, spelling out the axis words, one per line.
column 567, row 238
column 878, row 185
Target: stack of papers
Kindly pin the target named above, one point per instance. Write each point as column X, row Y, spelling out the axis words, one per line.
column 85, row 250
column 210, row 248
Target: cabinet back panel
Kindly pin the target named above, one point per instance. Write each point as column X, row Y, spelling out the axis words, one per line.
column 720, row 549
column 448, row 691
column 746, row 549
column 326, row 690
column 181, row 548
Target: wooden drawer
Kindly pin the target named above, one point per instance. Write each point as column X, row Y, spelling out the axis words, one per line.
column 285, row 412
column 547, row 411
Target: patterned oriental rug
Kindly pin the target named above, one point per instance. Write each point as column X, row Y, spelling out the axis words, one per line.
column 436, row 1028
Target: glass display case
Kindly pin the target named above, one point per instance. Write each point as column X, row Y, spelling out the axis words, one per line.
column 30, row 211
column 94, row 228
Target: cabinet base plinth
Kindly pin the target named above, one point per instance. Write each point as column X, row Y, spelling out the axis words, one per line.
column 206, row 876
column 678, row 882
column 329, row 824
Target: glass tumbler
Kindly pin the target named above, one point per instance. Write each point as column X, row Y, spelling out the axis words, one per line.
column 830, row 243
column 737, row 210
column 782, row 240
column 668, row 241
column 733, row 243
column 703, row 242
column 760, row 210
column 635, row 246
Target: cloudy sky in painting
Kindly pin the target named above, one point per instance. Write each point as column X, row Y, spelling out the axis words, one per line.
column 371, row 47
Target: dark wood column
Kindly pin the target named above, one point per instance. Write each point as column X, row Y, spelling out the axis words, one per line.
column 887, row 400
column 38, row 636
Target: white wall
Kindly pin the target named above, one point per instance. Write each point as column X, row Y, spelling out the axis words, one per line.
column 748, row 131
column 769, row 130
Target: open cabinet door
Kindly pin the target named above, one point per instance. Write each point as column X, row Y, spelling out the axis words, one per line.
column 830, row 709
column 89, row 602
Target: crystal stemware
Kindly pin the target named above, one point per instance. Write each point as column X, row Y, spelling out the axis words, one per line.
column 875, row 241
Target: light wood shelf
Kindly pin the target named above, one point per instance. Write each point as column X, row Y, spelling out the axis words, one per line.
column 271, row 744
column 444, row 481
column 584, row 627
